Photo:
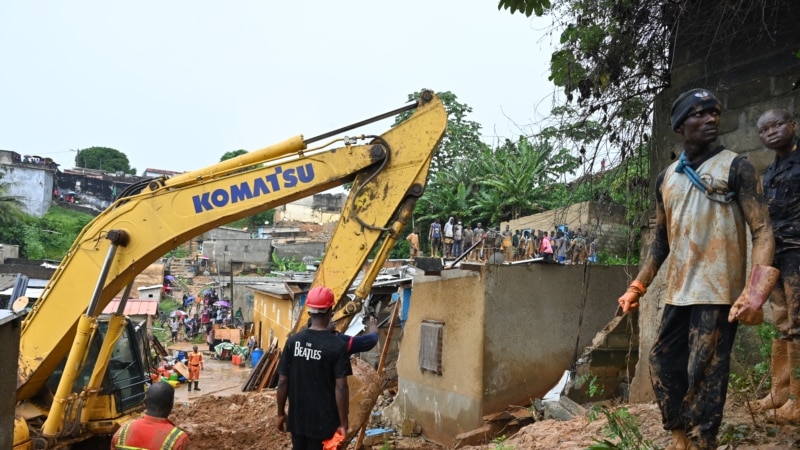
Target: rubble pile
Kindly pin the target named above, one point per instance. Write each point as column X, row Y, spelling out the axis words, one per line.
column 242, row 422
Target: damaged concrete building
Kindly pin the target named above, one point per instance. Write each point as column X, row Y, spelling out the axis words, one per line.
column 477, row 341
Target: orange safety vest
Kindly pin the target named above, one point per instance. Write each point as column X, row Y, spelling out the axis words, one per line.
column 168, row 443
column 195, row 358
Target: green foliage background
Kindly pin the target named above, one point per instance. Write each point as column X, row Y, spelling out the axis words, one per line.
column 104, row 158
column 49, row 237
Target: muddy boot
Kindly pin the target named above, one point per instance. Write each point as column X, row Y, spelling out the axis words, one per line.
column 779, row 392
column 190, row 386
column 195, row 386
column 679, row 441
column 790, row 411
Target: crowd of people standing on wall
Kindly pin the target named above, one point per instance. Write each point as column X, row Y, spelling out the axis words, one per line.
column 451, row 239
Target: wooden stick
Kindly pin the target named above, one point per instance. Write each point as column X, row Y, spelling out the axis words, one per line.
column 381, row 362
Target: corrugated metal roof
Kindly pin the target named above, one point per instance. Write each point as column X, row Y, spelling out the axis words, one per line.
column 278, row 289
column 134, row 307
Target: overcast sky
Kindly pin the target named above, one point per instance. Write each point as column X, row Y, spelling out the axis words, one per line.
column 176, row 84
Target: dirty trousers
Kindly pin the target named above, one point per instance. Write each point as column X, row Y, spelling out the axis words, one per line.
column 786, row 296
column 304, row 443
column 689, row 366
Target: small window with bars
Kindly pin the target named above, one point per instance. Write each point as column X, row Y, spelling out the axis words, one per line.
column 430, row 346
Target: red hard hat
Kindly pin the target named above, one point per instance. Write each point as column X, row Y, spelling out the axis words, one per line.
column 320, row 298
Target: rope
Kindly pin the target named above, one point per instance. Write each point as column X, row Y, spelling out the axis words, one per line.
column 685, row 167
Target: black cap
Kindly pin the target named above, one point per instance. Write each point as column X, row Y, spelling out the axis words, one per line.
column 690, row 102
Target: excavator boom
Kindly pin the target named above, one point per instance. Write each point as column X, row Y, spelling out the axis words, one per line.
column 388, row 173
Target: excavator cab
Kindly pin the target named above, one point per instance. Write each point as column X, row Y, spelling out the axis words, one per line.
column 123, row 387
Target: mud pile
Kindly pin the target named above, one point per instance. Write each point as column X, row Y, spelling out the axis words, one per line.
column 241, row 421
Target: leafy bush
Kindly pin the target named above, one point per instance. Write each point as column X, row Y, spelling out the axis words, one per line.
column 622, row 431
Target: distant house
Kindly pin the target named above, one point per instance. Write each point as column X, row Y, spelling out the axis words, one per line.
column 273, row 312
column 91, row 187
column 29, row 178
column 137, row 309
column 319, row 208
column 224, row 246
column 150, row 292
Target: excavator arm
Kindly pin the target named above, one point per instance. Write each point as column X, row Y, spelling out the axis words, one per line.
column 388, row 173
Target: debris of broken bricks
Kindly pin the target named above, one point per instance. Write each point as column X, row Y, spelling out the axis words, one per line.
column 563, row 409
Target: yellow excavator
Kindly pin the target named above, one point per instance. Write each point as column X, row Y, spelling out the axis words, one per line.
column 81, row 378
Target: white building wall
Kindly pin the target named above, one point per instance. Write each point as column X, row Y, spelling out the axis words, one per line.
column 33, row 186
column 300, row 213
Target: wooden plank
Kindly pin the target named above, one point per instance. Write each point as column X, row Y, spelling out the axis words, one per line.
column 501, row 415
column 181, row 368
column 232, row 334
column 271, row 367
column 160, row 350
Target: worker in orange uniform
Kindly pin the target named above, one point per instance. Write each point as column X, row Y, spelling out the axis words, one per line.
column 153, row 430
column 195, row 364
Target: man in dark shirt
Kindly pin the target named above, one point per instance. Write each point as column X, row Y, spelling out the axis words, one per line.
column 313, row 374
column 781, row 182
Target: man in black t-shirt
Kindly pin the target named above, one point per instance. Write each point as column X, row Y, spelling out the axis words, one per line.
column 313, row 375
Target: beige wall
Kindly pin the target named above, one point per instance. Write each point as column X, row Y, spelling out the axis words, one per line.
column 539, row 318
column 302, row 213
column 446, row 404
column 271, row 313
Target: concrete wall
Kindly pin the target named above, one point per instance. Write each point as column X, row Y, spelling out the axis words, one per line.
column 272, row 318
column 243, row 297
column 609, row 363
column 16, row 265
column 8, row 251
column 247, row 251
column 224, row 233
column 509, row 334
column 33, row 185
column 299, row 250
column 539, row 319
column 448, row 404
column 754, row 72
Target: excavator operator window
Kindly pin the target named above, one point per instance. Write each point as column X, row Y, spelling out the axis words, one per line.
column 86, row 372
column 125, row 377
column 126, row 372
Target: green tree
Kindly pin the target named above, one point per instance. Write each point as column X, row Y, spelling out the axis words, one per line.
column 526, row 7
column 11, row 212
column 232, row 154
column 463, row 136
column 615, row 56
column 517, row 176
column 446, row 195
column 105, row 159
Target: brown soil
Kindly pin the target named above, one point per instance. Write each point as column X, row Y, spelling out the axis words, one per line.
column 242, row 421
column 152, row 275
column 245, row 421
